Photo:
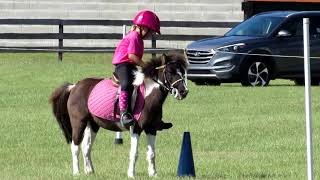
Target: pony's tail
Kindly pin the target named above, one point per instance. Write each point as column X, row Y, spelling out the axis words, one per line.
column 58, row 100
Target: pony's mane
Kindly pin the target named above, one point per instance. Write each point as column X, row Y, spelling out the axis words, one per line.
column 150, row 68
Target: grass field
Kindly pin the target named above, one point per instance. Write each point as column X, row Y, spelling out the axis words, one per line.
column 236, row 132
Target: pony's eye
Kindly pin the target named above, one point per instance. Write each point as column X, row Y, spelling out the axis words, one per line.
column 172, row 71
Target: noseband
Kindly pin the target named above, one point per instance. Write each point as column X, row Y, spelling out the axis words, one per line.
column 167, row 85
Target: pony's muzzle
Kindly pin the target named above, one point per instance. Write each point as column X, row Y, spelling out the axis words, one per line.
column 183, row 93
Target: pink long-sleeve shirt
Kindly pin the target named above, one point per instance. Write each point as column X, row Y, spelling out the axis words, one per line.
column 130, row 44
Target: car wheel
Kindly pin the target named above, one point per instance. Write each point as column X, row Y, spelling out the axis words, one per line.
column 255, row 73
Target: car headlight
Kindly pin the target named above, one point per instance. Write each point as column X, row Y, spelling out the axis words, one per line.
column 231, row 48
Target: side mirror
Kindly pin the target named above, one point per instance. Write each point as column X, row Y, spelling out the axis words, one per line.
column 284, row 33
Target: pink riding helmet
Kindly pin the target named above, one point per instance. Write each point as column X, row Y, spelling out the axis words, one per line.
column 149, row 19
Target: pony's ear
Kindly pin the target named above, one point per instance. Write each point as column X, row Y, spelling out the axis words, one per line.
column 163, row 59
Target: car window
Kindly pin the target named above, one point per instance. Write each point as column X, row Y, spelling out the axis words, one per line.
column 256, row 26
column 314, row 27
column 295, row 27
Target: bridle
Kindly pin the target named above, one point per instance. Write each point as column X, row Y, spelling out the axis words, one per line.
column 166, row 84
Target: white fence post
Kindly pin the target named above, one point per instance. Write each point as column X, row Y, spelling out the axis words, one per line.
column 307, row 79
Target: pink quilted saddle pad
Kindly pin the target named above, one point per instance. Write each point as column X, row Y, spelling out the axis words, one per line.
column 102, row 97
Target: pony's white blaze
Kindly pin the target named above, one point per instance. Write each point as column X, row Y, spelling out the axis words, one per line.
column 133, row 156
column 75, row 158
column 151, row 156
column 176, row 93
column 87, row 142
column 184, row 79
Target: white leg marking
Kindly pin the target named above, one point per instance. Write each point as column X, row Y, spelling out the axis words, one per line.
column 75, row 158
column 133, row 155
column 86, row 146
column 118, row 135
column 151, row 156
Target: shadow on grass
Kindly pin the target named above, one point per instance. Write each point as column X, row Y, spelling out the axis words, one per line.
column 257, row 175
column 263, row 176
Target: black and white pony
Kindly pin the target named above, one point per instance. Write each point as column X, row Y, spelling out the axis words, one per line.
column 163, row 75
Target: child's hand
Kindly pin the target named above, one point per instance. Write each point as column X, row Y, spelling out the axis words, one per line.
column 136, row 60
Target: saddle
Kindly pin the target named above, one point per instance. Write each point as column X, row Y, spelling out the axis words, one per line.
column 103, row 100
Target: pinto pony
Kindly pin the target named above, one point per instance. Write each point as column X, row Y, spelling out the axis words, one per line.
column 161, row 76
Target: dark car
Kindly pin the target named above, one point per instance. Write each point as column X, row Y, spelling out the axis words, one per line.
column 262, row 48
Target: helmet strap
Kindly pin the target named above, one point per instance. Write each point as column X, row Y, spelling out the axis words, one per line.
column 133, row 28
column 146, row 33
column 141, row 33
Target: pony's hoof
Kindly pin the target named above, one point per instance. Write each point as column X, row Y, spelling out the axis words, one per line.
column 76, row 173
column 131, row 176
column 89, row 172
column 153, row 175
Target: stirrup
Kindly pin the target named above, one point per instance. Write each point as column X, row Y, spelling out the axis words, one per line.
column 129, row 121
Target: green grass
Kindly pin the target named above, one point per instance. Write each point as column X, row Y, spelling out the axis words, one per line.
column 236, row 132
